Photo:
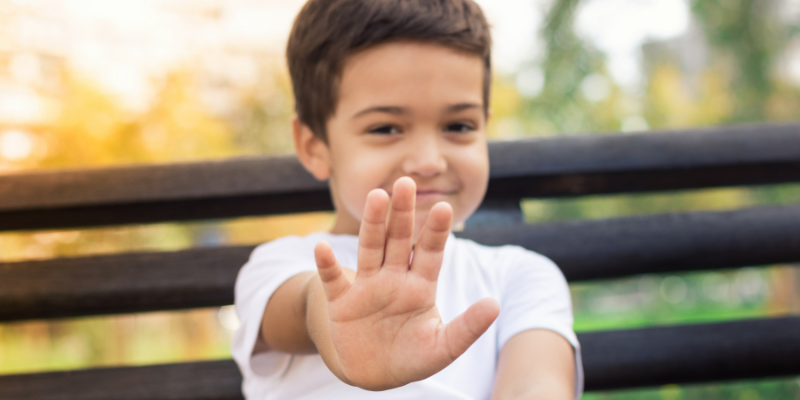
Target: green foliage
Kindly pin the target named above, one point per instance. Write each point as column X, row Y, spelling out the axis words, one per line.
column 746, row 40
column 567, row 61
column 773, row 389
column 748, row 36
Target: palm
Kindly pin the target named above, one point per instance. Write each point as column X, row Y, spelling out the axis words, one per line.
column 393, row 335
column 385, row 326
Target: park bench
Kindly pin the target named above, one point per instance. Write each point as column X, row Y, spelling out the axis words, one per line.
column 526, row 168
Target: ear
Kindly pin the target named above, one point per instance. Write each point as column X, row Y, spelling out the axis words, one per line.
column 311, row 150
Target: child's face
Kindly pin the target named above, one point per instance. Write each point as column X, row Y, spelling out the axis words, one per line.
column 407, row 109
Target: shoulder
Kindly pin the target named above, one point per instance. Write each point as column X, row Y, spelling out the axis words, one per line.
column 302, row 247
column 531, row 289
column 272, row 263
column 279, row 257
column 291, row 246
column 509, row 269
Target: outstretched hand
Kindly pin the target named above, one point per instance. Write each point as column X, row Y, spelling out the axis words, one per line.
column 384, row 325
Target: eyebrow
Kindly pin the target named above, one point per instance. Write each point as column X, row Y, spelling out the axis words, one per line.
column 382, row 109
column 395, row 110
column 462, row 106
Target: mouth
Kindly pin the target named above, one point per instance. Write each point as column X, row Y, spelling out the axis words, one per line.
column 424, row 196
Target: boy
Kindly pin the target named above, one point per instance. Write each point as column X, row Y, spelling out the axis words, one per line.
column 392, row 103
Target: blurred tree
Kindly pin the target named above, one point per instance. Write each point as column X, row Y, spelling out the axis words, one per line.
column 178, row 126
column 738, row 82
column 567, row 62
column 92, row 129
column 748, row 36
column 261, row 122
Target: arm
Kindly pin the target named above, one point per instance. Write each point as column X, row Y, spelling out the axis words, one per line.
column 377, row 328
column 535, row 364
column 301, row 306
column 289, row 305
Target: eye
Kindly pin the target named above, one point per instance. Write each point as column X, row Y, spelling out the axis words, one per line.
column 459, row 127
column 385, row 130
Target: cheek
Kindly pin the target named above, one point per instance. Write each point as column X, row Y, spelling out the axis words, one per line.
column 355, row 177
column 474, row 174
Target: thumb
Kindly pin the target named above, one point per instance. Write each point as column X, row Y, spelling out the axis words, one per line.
column 465, row 329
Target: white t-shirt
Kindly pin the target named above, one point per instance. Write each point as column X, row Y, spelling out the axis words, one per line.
column 531, row 290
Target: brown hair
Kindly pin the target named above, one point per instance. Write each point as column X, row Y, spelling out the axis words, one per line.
column 326, row 32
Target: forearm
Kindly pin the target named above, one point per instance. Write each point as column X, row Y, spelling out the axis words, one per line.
column 536, row 391
column 283, row 325
column 535, row 364
column 296, row 320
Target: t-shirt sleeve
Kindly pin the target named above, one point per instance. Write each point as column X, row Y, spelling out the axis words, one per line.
column 535, row 295
column 269, row 266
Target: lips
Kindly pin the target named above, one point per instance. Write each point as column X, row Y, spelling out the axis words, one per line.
column 432, row 195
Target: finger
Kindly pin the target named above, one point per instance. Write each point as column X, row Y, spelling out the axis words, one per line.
column 400, row 229
column 330, row 272
column 372, row 234
column 465, row 329
column 429, row 251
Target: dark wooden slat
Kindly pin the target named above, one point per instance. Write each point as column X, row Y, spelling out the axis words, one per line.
column 182, row 210
column 583, row 250
column 209, row 380
column 655, row 150
column 237, row 177
column 691, row 353
column 562, row 166
column 580, row 184
column 612, row 360
column 152, row 193
column 108, row 284
column 620, row 247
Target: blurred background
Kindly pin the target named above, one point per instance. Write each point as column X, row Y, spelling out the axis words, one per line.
column 97, row 83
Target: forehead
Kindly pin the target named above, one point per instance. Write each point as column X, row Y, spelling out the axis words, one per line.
column 410, row 74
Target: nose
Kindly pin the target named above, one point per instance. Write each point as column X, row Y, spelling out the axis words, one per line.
column 424, row 157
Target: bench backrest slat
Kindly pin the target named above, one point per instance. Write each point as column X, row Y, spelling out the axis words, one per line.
column 583, row 250
column 611, row 360
column 561, row 166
